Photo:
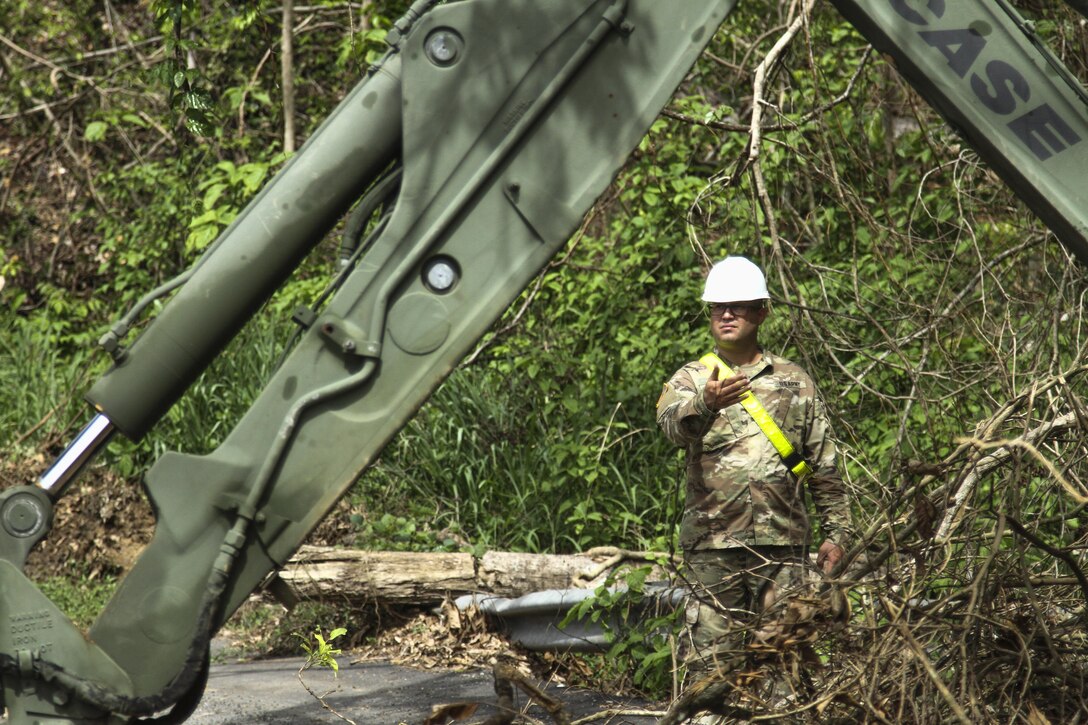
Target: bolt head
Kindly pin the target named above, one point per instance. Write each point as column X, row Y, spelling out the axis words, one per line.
column 443, row 47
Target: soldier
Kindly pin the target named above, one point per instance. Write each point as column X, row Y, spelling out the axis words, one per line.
column 745, row 527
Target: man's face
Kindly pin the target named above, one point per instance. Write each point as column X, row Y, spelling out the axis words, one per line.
column 734, row 324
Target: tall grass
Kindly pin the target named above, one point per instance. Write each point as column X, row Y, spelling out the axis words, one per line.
column 42, row 388
column 481, row 459
column 482, row 462
column 40, row 391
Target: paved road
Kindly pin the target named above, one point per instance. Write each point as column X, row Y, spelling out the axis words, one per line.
column 268, row 691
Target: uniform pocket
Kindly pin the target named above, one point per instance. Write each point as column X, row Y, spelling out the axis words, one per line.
column 734, row 424
column 782, row 400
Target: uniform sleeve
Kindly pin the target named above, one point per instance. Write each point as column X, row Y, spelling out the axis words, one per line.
column 681, row 410
column 826, row 485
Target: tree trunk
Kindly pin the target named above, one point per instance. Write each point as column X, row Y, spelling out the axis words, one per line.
column 287, row 70
column 394, row 577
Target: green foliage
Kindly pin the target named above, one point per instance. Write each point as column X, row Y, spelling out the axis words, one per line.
column 187, row 89
column 141, row 251
column 478, row 461
column 81, row 599
column 389, row 532
column 321, row 653
column 59, row 322
column 641, row 633
column 225, row 189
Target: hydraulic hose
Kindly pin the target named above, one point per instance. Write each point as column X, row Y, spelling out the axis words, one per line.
column 105, row 698
column 101, row 696
column 378, row 196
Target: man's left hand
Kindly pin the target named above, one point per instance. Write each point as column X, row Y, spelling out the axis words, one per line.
column 828, row 556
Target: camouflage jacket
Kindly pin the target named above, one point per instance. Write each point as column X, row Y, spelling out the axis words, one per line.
column 739, row 492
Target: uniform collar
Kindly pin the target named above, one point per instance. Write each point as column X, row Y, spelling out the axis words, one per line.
column 764, row 364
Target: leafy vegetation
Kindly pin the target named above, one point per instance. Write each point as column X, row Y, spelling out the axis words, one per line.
column 944, row 324
column 79, row 597
column 321, row 653
column 640, row 627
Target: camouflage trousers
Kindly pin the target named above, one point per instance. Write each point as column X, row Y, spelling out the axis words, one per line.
column 734, row 593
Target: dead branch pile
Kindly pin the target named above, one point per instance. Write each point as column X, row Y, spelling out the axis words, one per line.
column 953, row 361
column 967, row 593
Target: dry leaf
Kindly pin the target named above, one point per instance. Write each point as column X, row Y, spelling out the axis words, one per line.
column 442, row 714
column 1036, row 717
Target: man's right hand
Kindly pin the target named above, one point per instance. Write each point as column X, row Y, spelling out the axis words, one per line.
column 720, row 394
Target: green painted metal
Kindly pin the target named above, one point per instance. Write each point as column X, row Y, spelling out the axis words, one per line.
column 507, row 138
column 504, row 152
column 510, row 117
column 33, row 627
column 979, row 64
column 255, row 255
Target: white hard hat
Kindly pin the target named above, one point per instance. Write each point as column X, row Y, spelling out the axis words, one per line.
column 735, row 279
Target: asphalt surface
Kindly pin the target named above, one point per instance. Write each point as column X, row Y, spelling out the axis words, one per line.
column 268, row 691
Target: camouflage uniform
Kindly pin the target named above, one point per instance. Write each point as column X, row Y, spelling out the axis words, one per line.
column 745, row 527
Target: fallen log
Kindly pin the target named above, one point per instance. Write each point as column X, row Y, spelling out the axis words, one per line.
column 398, row 577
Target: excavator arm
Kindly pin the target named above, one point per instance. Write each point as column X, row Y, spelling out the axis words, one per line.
column 486, row 134
column 496, row 144
column 981, row 65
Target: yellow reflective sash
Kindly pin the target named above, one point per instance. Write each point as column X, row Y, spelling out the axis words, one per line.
column 750, row 402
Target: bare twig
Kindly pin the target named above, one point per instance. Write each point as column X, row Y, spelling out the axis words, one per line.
column 321, row 698
column 763, row 70
column 930, row 670
column 1026, row 445
column 506, row 678
column 986, row 464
